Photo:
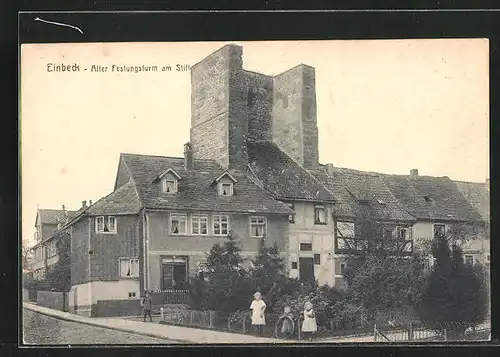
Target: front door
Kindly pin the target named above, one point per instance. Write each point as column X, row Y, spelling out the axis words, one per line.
column 306, row 269
column 173, row 273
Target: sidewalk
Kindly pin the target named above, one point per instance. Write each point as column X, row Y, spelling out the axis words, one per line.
column 172, row 333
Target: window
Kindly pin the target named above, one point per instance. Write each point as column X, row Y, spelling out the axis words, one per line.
column 199, row 224
column 129, row 268
column 403, row 233
column 306, row 247
column 257, row 226
column 294, row 265
column 487, row 257
column 439, row 230
column 178, row 223
column 169, row 186
column 291, row 217
column 220, row 225
column 342, row 268
column 226, row 189
column 319, row 214
column 469, row 260
column 131, row 295
column 317, row 259
column 106, row 224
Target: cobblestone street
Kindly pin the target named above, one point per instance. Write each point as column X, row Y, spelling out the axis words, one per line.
column 41, row 329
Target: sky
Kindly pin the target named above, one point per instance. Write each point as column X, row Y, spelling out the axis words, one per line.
column 382, row 105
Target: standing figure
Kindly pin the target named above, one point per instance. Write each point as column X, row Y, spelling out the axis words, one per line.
column 258, row 308
column 309, row 325
column 146, row 304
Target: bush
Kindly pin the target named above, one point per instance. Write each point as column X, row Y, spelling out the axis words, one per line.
column 454, row 292
column 322, row 298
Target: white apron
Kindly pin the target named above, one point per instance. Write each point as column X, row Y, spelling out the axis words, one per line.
column 309, row 324
column 258, row 317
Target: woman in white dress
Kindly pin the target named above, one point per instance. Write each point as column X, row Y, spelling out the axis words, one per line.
column 258, row 308
column 309, row 325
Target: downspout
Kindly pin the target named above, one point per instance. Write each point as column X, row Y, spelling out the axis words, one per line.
column 148, row 280
column 90, row 265
column 144, row 263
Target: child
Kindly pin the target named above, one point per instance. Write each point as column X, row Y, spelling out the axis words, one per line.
column 146, row 306
column 309, row 324
column 258, row 307
column 287, row 327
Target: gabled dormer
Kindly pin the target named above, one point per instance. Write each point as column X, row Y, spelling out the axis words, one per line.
column 169, row 181
column 225, row 184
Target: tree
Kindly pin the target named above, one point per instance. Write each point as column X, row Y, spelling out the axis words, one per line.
column 225, row 286
column 454, row 292
column 268, row 270
column 26, row 255
column 59, row 275
column 380, row 275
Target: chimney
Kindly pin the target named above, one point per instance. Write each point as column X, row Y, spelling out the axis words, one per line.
column 84, row 204
column 64, row 208
column 90, row 203
column 329, row 169
column 414, row 172
column 188, row 157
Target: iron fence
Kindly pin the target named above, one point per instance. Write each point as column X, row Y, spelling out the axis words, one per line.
column 195, row 318
column 172, row 296
column 430, row 332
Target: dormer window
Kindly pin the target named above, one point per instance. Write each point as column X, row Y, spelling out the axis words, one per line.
column 226, row 189
column 427, row 198
column 225, row 184
column 169, row 181
column 169, row 186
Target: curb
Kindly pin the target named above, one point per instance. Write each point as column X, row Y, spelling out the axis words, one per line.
column 121, row 329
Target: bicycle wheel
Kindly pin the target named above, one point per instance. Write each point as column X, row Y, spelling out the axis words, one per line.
column 278, row 333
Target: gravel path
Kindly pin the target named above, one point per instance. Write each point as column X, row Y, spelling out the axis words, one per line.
column 40, row 329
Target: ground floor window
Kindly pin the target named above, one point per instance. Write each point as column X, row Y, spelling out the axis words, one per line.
column 469, row 260
column 129, row 268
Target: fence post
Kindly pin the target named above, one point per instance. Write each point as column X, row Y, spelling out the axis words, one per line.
column 410, row 331
column 162, row 313
column 244, row 324
column 211, row 322
column 375, row 332
column 229, row 322
column 191, row 318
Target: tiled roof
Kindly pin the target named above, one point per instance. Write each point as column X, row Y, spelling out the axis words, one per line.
column 51, row 216
column 195, row 189
column 358, row 191
column 282, row 176
column 444, row 201
column 124, row 200
column 478, row 195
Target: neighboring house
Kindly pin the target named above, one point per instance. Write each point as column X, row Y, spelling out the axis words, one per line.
column 45, row 254
column 367, row 207
column 154, row 230
column 478, row 195
column 437, row 204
